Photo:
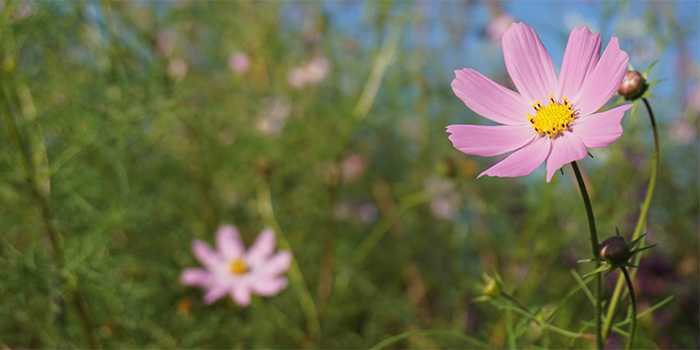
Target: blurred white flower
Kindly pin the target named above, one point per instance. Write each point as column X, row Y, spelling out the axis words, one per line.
column 238, row 62
column 311, row 73
column 177, row 68
column 317, row 69
column 296, row 78
column 273, row 115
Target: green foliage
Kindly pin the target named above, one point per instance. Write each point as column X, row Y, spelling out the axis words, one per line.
column 134, row 158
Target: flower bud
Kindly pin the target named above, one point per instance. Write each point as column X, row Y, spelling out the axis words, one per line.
column 492, row 288
column 632, row 85
column 615, row 250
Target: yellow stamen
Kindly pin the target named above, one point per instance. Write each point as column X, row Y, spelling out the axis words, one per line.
column 552, row 119
column 238, row 267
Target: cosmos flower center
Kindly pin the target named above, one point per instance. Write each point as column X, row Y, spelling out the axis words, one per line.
column 553, row 118
column 238, row 267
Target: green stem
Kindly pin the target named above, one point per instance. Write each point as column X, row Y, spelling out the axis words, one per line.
column 547, row 325
column 517, row 303
column 295, row 276
column 633, row 300
column 509, row 330
column 439, row 332
column 542, row 322
column 596, row 254
column 83, row 319
column 45, row 216
column 640, row 222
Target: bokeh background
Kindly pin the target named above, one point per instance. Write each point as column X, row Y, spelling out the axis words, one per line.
column 144, row 125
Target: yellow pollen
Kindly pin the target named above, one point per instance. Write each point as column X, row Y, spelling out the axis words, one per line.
column 551, row 119
column 238, row 267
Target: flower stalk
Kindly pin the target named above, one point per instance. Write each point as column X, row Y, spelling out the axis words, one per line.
column 633, row 301
column 45, row 218
column 640, row 222
column 596, row 254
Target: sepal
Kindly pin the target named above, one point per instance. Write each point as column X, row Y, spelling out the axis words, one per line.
column 598, row 270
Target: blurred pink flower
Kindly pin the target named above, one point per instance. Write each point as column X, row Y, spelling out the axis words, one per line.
column 310, row 73
column 445, row 200
column 359, row 212
column 296, row 78
column 177, row 68
column 231, row 270
column 498, row 26
column 353, row 167
column 550, row 120
column 682, row 132
column 165, row 43
column 238, row 62
column 25, row 10
column 693, row 99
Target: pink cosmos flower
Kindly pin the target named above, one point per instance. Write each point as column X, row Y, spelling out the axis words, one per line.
column 177, row 68
column 231, row 270
column 239, row 62
column 166, row 41
column 552, row 119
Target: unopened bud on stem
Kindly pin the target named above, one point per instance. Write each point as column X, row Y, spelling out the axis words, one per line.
column 615, row 250
column 492, row 288
column 632, row 85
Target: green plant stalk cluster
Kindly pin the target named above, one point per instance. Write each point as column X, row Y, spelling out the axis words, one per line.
column 641, row 223
column 596, row 253
column 43, row 212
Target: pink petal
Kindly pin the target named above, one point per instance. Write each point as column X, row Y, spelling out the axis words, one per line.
column 566, row 148
column 489, row 99
column 522, row 161
column 603, row 81
column 196, row 277
column 600, row 129
column 263, row 246
column 229, row 243
column 269, row 287
column 215, row 294
column 528, row 63
column 279, row 263
column 488, row 141
column 241, row 295
column 581, row 56
column 203, row 252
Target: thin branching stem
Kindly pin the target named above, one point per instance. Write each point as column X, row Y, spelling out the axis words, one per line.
column 641, row 222
column 546, row 325
column 633, row 301
column 45, row 217
column 596, row 253
column 517, row 303
column 295, row 276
